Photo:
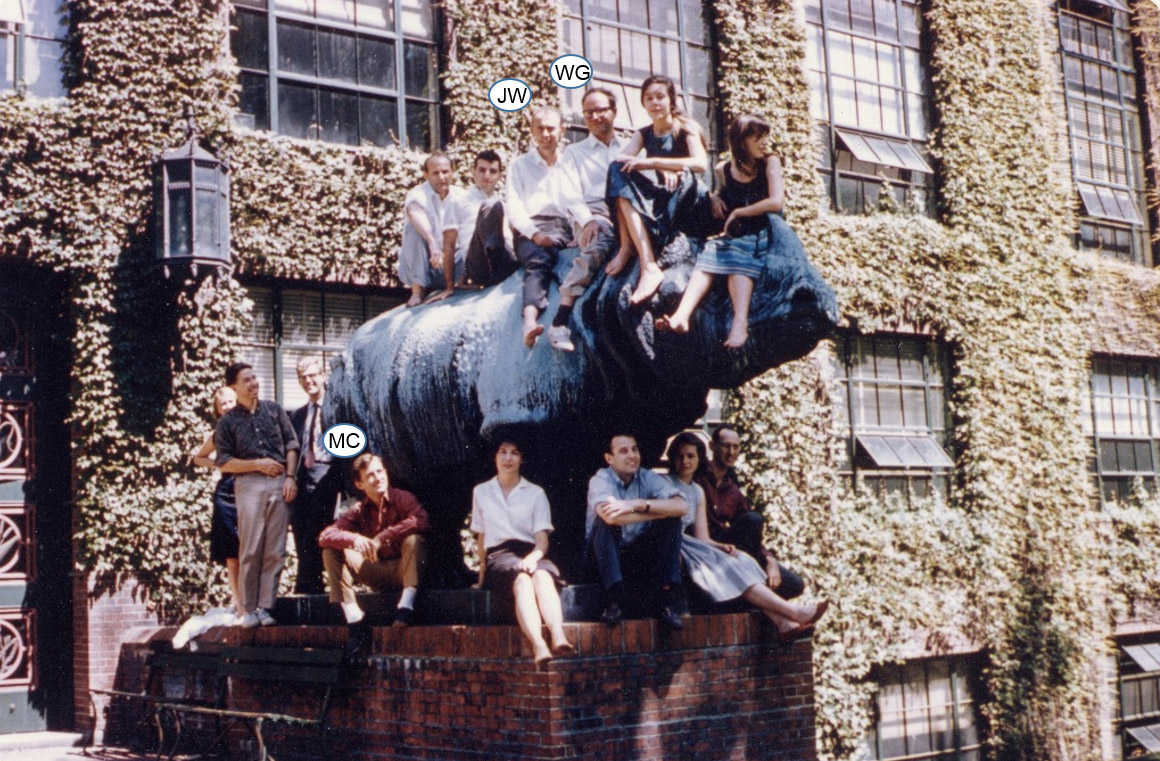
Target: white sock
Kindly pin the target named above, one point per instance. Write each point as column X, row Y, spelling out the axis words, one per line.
column 407, row 599
column 352, row 612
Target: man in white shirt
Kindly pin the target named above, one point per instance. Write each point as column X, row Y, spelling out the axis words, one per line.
column 421, row 254
column 543, row 204
column 473, row 231
column 588, row 161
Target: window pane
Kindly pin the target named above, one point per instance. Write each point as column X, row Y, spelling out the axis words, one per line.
column 7, row 61
column 378, row 121
column 297, row 111
column 662, row 16
column 700, row 70
column 46, row 18
column 207, row 223
column 341, row 11
column 295, row 6
column 301, row 317
column 338, row 117
column 890, row 406
column 249, row 42
column 379, row 14
column 666, row 58
column 296, row 48
column 337, row 58
column 634, row 55
column 692, row 14
column 43, row 59
column 254, row 101
column 605, row 53
column 420, row 125
column 344, row 314
column 420, row 70
column 417, row 19
column 376, row 62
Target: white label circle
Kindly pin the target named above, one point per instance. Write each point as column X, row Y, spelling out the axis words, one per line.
column 570, row 71
column 344, row 440
column 510, row 94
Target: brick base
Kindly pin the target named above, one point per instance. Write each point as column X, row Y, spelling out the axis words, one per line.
column 720, row 689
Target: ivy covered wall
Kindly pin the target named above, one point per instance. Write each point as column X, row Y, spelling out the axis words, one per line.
column 1017, row 562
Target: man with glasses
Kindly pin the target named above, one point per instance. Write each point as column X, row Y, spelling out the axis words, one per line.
column 318, row 482
column 587, row 162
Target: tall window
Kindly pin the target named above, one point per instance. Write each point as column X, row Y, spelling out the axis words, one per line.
column 1138, row 726
column 292, row 323
column 356, row 72
column 871, row 98
column 629, row 40
column 1124, row 425
column 32, row 46
column 894, row 401
column 926, row 711
column 1104, row 122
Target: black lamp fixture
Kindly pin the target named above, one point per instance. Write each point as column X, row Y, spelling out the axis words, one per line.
column 191, row 208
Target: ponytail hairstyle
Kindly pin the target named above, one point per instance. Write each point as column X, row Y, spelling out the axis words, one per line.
column 681, row 121
column 746, row 126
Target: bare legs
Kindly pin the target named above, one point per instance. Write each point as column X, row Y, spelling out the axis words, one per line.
column 740, row 292
column 785, row 615
column 538, row 605
column 532, row 327
column 232, row 575
column 651, row 276
column 416, row 296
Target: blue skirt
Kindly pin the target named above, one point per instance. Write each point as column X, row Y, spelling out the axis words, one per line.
column 746, row 254
column 223, row 530
column 665, row 212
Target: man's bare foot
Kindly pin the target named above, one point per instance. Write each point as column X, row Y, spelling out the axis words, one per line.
column 415, row 300
column 737, row 337
column 651, row 277
column 531, row 333
column 673, row 324
column 440, row 295
column 618, row 262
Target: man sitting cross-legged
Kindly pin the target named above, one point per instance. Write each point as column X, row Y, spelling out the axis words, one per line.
column 378, row 543
column 634, row 526
column 543, row 203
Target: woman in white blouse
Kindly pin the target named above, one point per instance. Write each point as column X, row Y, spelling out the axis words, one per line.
column 511, row 519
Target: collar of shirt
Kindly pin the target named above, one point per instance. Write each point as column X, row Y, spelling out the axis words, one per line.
column 592, row 144
column 542, row 162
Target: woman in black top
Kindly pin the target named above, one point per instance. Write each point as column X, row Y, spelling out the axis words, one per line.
column 750, row 194
column 648, row 212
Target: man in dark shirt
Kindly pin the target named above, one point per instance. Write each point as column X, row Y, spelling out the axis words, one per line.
column 256, row 442
column 732, row 521
column 318, row 482
column 379, row 543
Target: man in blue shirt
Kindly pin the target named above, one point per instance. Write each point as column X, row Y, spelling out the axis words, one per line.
column 634, row 525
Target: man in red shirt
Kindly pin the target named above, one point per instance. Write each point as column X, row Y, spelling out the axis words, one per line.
column 379, row 543
column 732, row 521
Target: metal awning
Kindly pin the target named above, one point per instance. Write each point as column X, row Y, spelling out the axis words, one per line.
column 1148, row 736
column 904, row 451
column 12, row 11
column 1117, row 4
column 1112, row 204
column 1146, row 656
column 880, row 150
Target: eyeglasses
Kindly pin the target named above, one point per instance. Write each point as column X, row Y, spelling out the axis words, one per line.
column 589, row 113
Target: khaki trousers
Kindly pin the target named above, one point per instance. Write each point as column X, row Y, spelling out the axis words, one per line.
column 345, row 568
column 263, row 521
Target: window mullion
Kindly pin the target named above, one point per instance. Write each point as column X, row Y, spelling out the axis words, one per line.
column 401, row 76
column 272, row 45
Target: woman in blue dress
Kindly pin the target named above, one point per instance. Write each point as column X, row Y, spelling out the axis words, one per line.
column 223, row 532
column 648, row 211
column 721, row 570
column 749, row 198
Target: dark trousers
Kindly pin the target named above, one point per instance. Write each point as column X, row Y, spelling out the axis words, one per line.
column 488, row 260
column 310, row 513
column 747, row 533
column 655, row 551
column 540, row 261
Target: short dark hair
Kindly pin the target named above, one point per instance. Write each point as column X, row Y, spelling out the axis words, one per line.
column 487, row 155
column 603, row 91
column 723, row 427
column 234, row 370
column 437, row 155
column 617, row 434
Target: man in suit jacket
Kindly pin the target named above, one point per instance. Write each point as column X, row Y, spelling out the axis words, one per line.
column 318, row 482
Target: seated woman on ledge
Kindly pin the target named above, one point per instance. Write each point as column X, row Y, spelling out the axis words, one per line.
column 511, row 518
column 721, row 570
column 648, row 213
column 750, row 192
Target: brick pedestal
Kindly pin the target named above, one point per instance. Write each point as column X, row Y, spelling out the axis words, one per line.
column 720, row 689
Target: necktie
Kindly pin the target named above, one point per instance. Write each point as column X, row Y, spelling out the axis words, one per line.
column 311, row 436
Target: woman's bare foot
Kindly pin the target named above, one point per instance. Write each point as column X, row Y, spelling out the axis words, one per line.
column 674, row 323
column 561, row 645
column 416, row 299
column 811, row 614
column 651, row 277
column 738, row 335
column 618, row 262
column 542, row 654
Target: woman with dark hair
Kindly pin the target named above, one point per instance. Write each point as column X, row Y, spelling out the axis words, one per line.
column 511, row 519
column 647, row 212
column 720, row 570
column 223, row 532
column 749, row 198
